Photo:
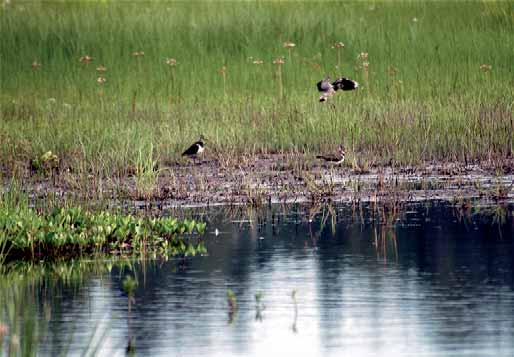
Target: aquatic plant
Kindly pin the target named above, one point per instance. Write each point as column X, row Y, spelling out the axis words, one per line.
column 327, row 210
column 319, row 190
column 129, row 285
column 73, row 230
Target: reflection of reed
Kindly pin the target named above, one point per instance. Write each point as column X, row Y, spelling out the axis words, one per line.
column 129, row 286
column 314, row 236
column 327, row 211
column 495, row 214
column 259, row 306
column 385, row 236
column 294, row 327
column 462, row 212
column 232, row 306
column 98, row 337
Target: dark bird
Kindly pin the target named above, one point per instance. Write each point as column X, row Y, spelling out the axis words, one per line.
column 195, row 149
column 336, row 159
column 328, row 88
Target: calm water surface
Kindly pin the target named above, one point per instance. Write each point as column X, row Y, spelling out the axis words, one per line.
column 434, row 281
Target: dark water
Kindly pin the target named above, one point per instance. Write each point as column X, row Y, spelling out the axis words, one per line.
column 432, row 281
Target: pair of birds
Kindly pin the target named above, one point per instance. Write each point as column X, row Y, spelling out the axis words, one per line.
column 327, row 89
column 336, row 159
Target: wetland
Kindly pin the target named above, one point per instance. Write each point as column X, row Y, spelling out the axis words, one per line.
column 112, row 243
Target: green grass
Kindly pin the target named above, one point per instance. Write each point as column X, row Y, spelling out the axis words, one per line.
column 426, row 99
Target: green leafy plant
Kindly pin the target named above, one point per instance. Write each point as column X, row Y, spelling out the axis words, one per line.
column 65, row 231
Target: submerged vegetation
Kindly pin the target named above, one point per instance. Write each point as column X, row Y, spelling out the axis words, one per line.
column 110, row 89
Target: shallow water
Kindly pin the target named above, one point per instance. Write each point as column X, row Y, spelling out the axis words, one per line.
column 433, row 281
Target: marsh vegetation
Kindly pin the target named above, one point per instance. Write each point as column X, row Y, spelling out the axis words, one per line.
column 108, row 90
column 98, row 100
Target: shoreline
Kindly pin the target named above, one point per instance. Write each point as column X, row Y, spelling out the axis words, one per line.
column 276, row 178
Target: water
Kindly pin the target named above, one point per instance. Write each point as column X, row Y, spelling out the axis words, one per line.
column 433, row 281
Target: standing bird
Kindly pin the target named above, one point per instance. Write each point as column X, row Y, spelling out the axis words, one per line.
column 336, row 159
column 196, row 148
column 328, row 89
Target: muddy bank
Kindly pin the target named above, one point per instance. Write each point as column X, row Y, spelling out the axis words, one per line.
column 279, row 178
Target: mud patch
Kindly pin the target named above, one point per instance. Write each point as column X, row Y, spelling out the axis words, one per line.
column 277, row 178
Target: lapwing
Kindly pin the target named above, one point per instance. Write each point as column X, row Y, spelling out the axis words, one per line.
column 336, row 159
column 328, row 88
column 195, row 149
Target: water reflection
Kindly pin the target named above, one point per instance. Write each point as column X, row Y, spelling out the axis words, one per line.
column 426, row 280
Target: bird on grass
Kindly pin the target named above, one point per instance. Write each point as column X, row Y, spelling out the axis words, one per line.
column 335, row 159
column 328, row 88
column 195, row 149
